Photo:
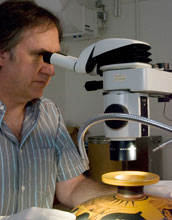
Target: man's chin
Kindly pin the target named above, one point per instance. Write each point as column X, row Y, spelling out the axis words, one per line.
column 36, row 96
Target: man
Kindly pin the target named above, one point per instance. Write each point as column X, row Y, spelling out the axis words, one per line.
column 37, row 156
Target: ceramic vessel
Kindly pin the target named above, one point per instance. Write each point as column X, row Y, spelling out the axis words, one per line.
column 130, row 203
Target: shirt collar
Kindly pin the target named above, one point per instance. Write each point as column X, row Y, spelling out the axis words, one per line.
column 2, row 111
column 31, row 105
column 34, row 103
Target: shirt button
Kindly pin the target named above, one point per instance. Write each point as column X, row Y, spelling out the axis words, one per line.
column 23, row 188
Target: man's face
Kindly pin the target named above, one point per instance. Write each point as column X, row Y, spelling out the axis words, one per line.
column 25, row 76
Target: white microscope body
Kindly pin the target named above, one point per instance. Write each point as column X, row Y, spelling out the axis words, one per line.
column 128, row 82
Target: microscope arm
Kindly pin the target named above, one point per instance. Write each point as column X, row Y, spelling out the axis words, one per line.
column 83, row 64
column 104, row 52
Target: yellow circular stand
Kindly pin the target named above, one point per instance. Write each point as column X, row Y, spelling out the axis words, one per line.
column 130, row 178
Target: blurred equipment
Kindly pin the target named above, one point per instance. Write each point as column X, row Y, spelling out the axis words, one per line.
column 128, row 81
column 82, row 24
column 146, row 159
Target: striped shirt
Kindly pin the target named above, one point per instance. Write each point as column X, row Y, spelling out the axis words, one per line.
column 29, row 169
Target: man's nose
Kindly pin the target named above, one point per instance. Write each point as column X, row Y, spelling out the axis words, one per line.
column 48, row 69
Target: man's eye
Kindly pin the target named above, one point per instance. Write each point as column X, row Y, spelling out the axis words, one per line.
column 40, row 54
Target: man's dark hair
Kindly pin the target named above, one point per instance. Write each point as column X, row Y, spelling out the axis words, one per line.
column 17, row 16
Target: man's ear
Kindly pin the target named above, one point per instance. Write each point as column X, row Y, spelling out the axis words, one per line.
column 3, row 57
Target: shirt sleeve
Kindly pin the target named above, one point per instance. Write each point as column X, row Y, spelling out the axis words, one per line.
column 69, row 162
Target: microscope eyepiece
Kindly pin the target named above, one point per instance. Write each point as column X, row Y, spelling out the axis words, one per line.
column 47, row 56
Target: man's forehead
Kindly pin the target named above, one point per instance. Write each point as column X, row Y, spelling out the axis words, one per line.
column 40, row 30
column 43, row 39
